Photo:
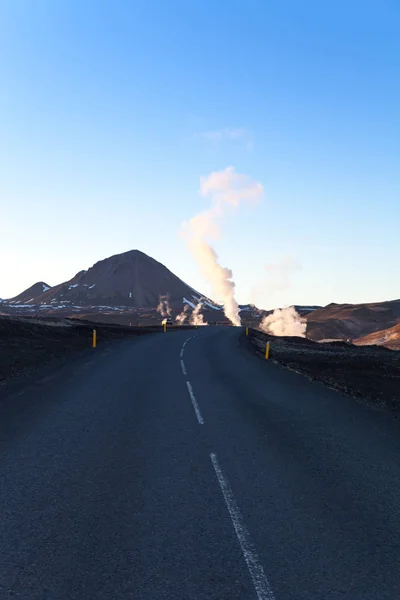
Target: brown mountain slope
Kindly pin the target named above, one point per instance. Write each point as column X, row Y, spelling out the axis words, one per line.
column 390, row 338
column 352, row 320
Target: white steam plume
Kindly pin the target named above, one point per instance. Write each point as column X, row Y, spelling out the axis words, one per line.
column 220, row 278
column 163, row 306
column 227, row 189
column 181, row 318
column 196, row 317
column 285, row 321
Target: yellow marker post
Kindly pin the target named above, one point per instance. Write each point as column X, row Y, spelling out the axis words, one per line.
column 267, row 350
column 94, row 338
column 247, row 331
column 165, row 328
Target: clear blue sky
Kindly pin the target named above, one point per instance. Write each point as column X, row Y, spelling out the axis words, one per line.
column 106, row 109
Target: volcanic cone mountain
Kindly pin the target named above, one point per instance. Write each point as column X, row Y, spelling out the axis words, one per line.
column 128, row 279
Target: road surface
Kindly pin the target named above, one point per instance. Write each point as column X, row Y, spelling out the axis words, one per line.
column 180, row 466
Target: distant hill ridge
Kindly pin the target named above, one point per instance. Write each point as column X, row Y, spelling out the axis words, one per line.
column 387, row 337
column 352, row 320
column 31, row 293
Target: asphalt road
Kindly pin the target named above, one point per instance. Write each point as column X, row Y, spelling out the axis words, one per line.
column 119, row 480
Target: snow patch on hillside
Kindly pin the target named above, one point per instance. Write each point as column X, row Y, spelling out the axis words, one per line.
column 186, row 301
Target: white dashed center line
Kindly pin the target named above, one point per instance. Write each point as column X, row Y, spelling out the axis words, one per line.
column 189, row 386
column 195, row 405
column 260, row 581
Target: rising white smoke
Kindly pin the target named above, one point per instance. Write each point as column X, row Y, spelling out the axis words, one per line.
column 226, row 189
column 181, row 318
column 196, row 318
column 220, row 278
column 285, row 321
column 163, row 306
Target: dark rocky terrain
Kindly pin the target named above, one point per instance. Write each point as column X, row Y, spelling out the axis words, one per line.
column 29, row 343
column 369, row 373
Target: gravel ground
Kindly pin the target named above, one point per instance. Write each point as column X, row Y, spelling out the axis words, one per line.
column 368, row 373
column 29, row 343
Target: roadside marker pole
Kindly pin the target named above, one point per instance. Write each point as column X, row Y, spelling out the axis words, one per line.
column 165, row 328
column 247, row 331
column 267, row 350
column 94, row 338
